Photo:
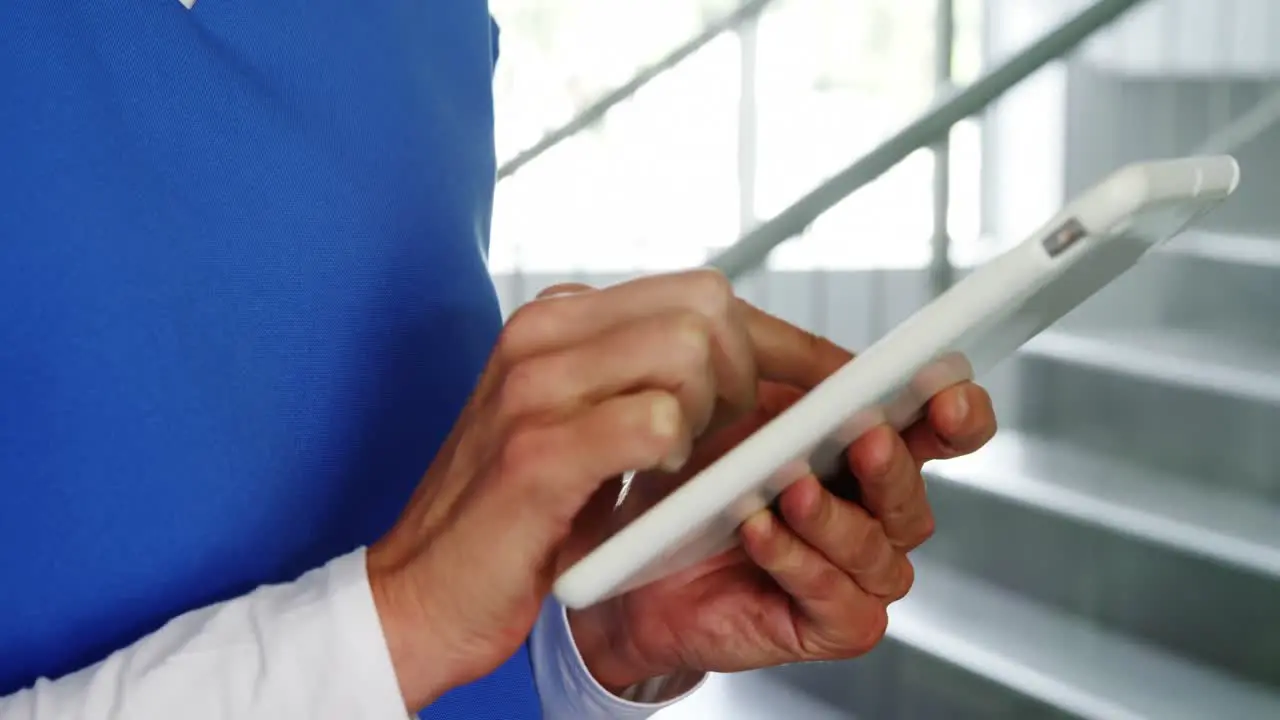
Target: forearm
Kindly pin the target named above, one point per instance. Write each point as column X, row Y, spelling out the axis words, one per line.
column 307, row 649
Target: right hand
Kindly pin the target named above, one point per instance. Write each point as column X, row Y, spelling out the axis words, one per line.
column 581, row 387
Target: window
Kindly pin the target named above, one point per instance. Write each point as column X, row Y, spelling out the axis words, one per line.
column 656, row 184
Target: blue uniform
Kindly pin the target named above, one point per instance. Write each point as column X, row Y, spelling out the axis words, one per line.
column 243, row 296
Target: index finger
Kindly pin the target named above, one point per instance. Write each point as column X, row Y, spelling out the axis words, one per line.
column 790, row 354
column 568, row 314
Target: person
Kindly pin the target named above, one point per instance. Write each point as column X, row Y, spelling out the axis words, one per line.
column 245, row 305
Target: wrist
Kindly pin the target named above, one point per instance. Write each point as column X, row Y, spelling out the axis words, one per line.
column 608, row 655
column 406, row 632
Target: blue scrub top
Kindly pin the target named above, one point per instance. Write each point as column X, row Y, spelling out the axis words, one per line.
column 243, row 297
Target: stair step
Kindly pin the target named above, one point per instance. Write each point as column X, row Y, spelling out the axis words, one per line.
column 1224, row 284
column 1153, row 555
column 1203, row 407
column 1061, row 660
column 1227, row 248
column 1123, row 497
column 1170, row 357
column 896, row 680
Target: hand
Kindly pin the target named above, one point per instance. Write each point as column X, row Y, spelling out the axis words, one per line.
column 580, row 388
column 814, row 586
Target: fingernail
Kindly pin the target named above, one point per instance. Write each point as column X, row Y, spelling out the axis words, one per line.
column 811, row 500
column 759, row 524
column 664, row 416
column 880, row 454
column 665, row 423
column 675, row 462
column 961, row 407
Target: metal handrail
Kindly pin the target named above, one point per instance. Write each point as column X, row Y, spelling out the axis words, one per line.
column 752, row 249
column 1258, row 119
column 743, row 14
column 941, row 272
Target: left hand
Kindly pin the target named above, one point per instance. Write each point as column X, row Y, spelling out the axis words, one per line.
column 815, row 587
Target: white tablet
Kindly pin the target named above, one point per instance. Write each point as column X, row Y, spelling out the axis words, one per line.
column 968, row 329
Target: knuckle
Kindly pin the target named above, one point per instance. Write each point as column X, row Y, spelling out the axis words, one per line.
column 691, row 339
column 526, row 327
column 689, row 354
column 519, row 388
column 868, row 547
column 826, row 583
column 532, row 475
column 912, row 520
column 524, row 316
column 526, row 324
column 524, row 455
column 713, row 291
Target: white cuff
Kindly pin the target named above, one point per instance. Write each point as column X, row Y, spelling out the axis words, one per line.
column 307, row 649
column 566, row 687
column 375, row 675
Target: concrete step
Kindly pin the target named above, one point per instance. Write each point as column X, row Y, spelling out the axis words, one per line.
column 1226, row 284
column 1154, row 555
column 959, row 647
column 893, row 681
column 1197, row 405
column 898, row 680
column 1060, row 660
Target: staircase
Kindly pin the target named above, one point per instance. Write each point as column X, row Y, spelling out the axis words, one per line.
column 1115, row 551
